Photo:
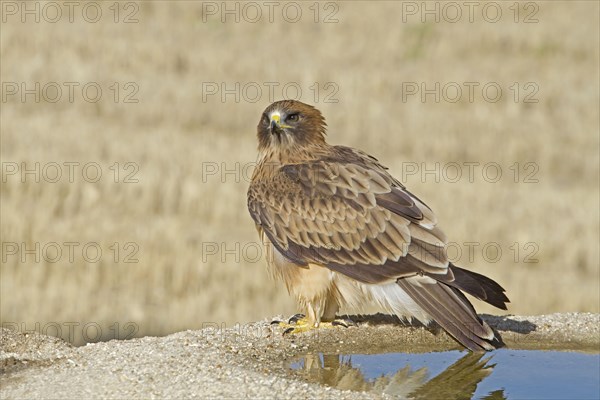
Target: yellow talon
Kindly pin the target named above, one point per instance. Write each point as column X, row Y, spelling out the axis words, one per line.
column 300, row 324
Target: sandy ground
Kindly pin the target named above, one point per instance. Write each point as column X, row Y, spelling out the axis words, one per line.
column 247, row 361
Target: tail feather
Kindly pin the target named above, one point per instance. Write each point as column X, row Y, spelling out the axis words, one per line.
column 477, row 285
column 451, row 310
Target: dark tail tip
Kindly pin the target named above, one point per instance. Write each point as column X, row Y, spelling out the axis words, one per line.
column 479, row 286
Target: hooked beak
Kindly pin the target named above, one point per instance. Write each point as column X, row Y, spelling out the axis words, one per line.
column 276, row 125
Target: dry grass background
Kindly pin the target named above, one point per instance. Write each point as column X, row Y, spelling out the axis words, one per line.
column 172, row 134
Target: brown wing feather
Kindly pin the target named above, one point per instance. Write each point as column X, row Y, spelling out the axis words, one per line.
column 349, row 214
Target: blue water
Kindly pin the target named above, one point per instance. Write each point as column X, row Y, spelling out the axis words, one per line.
column 511, row 374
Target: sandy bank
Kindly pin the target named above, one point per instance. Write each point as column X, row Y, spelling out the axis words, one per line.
column 246, row 361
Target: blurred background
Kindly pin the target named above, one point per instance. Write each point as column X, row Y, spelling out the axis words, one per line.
column 128, row 142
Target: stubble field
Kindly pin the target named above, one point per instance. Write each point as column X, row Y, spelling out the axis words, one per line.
column 134, row 206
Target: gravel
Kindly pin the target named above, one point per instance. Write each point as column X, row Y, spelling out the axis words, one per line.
column 245, row 361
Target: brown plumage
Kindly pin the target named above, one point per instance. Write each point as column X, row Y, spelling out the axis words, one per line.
column 340, row 230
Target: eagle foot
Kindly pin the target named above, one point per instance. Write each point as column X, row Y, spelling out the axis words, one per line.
column 299, row 324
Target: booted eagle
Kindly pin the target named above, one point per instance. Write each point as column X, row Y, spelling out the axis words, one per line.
column 340, row 231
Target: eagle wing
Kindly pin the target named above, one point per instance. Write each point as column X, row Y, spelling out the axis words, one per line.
column 347, row 213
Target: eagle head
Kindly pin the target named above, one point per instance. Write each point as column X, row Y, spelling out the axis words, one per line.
column 290, row 125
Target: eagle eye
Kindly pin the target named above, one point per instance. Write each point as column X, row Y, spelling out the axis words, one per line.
column 265, row 118
column 292, row 117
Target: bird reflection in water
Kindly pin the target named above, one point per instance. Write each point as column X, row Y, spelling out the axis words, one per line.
column 458, row 381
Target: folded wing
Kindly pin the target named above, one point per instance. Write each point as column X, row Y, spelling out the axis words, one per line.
column 351, row 217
